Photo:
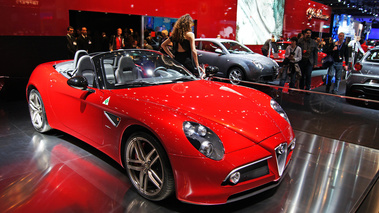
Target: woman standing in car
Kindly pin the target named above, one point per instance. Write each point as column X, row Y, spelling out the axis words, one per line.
column 184, row 50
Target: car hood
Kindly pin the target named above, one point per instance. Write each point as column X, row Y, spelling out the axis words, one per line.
column 255, row 57
column 238, row 108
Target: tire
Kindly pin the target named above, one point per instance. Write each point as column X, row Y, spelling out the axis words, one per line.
column 236, row 75
column 148, row 167
column 37, row 112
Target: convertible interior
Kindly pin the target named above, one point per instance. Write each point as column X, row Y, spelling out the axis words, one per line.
column 122, row 69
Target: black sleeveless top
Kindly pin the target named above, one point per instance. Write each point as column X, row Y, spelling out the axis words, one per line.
column 185, row 57
column 185, row 44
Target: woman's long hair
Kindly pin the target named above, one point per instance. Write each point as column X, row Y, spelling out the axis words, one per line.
column 181, row 27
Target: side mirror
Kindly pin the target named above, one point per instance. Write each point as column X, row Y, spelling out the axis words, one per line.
column 211, row 71
column 78, row 82
column 219, row 51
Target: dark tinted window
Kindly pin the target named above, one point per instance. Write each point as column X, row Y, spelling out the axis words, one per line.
column 234, row 47
column 207, row 46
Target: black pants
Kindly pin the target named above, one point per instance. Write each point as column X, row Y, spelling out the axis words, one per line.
column 291, row 75
column 306, row 74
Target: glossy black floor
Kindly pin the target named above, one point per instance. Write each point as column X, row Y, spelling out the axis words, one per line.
column 334, row 167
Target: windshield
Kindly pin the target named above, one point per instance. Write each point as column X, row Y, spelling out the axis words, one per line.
column 138, row 68
column 236, row 48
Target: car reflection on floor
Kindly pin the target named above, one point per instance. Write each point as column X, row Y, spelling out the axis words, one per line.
column 49, row 174
column 58, row 173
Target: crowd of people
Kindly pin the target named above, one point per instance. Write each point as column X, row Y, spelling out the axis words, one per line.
column 181, row 44
column 301, row 57
column 122, row 39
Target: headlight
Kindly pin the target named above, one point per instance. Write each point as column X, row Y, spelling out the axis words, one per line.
column 258, row 65
column 279, row 110
column 204, row 140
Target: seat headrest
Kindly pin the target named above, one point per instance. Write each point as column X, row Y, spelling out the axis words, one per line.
column 126, row 63
column 78, row 55
column 85, row 64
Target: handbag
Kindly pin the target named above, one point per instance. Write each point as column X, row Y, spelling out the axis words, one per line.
column 327, row 61
column 286, row 61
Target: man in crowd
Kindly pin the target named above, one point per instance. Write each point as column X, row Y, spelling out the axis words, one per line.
column 117, row 41
column 84, row 41
column 71, row 43
column 339, row 53
column 309, row 59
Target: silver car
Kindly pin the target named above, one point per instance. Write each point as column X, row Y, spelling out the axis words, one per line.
column 235, row 61
column 363, row 81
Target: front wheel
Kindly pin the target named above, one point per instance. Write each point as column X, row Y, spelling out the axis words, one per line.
column 148, row 167
column 236, row 75
column 37, row 112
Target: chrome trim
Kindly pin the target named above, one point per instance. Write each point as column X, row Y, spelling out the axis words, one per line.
column 281, row 158
column 107, row 114
column 290, row 144
column 246, row 165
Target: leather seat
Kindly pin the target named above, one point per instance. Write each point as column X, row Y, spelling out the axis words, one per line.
column 126, row 71
column 77, row 56
column 86, row 69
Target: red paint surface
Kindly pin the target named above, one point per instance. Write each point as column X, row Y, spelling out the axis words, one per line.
column 51, row 18
column 296, row 19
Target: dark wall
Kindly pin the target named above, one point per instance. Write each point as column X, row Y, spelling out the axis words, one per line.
column 20, row 55
column 97, row 22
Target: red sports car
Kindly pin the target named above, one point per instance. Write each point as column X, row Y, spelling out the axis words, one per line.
column 207, row 142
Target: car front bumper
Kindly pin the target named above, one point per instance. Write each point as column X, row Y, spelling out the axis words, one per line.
column 205, row 181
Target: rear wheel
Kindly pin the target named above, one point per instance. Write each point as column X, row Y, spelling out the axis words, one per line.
column 37, row 112
column 148, row 167
column 236, row 75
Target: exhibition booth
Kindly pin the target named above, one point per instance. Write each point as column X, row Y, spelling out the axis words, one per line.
column 334, row 165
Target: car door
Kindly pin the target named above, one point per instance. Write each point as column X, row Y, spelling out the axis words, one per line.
column 210, row 53
column 81, row 111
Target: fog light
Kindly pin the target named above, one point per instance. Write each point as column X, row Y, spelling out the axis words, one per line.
column 235, row 177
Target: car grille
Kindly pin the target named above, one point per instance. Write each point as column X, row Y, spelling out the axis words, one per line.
column 253, row 191
column 271, row 77
column 260, row 168
column 250, row 171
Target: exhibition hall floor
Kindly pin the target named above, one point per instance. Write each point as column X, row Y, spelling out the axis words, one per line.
column 334, row 167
